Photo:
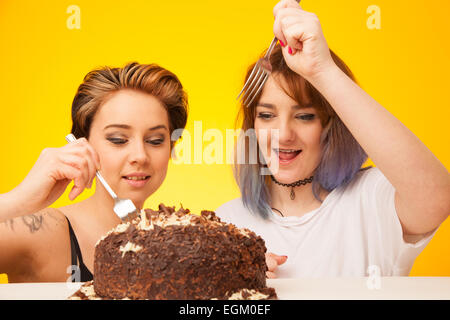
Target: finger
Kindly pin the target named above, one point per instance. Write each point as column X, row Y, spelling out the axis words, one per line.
column 92, row 152
column 69, row 172
column 285, row 4
column 95, row 158
column 80, row 163
column 57, row 191
column 270, row 275
column 271, row 264
column 91, row 169
column 294, row 28
column 78, row 187
column 85, row 151
column 277, row 258
column 277, row 31
column 75, row 192
column 280, row 259
column 83, row 148
column 293, row 45
column 284, row 19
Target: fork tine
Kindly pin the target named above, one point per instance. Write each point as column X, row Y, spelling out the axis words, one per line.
column 259, row 89
column 255, row 78
column 268, row 53
column 261, row 85
column 251, row 85
column 250, row 95
column 248, row 80
column 254, row 86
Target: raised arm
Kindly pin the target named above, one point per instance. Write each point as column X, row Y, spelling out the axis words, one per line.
column 421, row 181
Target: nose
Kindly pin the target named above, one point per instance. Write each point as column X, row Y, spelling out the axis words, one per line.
column 138, row 153
column 286, row 132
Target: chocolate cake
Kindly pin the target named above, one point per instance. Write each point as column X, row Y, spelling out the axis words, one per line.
column 168, row 254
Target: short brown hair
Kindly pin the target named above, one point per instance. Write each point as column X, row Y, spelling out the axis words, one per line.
column 99, row 84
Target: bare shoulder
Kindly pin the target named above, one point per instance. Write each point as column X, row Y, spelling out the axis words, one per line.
column 52, row 219
column 33, row 246
column 35, row 224
column 47, row 220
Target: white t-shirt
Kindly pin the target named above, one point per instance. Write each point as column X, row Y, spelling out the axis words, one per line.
column 356, row 227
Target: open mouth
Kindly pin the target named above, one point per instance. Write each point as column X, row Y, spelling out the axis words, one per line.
column 136, row 178
column 136, row 181
column 287, row 154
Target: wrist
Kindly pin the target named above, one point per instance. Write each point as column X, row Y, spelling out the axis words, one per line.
column 15, row 205
column 10, row 205
column 327, row 77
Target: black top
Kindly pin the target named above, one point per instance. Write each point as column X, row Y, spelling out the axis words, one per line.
column 83, row 274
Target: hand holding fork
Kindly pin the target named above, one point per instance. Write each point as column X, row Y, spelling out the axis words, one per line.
column 258, row 76
column 305, row 49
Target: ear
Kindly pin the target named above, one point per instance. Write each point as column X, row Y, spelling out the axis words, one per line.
column 173, row 155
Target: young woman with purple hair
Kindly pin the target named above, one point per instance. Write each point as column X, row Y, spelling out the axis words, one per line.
column 319, row 212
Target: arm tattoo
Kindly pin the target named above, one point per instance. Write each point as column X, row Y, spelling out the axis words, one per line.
column 9, row 222
column 33, row 222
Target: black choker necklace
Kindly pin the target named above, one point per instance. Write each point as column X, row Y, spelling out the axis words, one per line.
column 294, row 184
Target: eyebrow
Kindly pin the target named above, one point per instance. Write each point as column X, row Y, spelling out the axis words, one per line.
column 125, row 126
column 296, row 107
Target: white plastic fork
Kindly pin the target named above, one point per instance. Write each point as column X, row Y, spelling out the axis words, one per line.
column 122, row 207
column 258, row 77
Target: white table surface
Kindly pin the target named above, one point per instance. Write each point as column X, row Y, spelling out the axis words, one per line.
column 389, row 288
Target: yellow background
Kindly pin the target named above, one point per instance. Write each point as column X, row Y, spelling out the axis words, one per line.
column 209, row 44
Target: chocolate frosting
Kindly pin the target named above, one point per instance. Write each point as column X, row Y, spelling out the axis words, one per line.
column 168, row 254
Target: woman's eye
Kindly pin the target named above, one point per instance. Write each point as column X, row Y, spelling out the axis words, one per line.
column 117, row 140
column 306, row 117
column 156, row 142
column 264, row 115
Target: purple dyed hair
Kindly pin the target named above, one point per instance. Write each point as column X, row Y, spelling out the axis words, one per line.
column 342, row 156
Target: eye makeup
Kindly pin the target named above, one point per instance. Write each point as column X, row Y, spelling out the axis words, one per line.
column 156, row 141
